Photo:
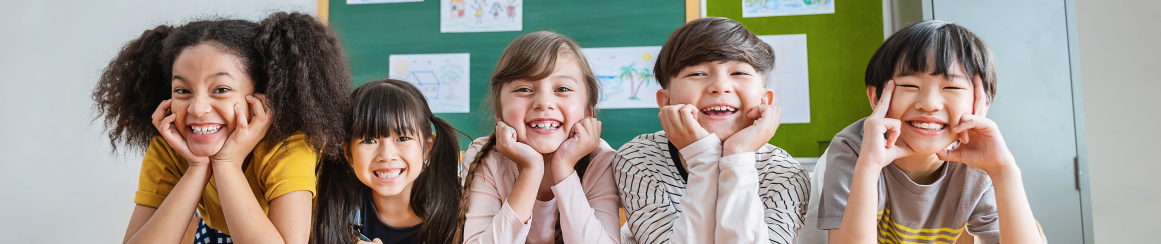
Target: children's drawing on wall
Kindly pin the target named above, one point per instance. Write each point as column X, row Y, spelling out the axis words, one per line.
column 763, row 8
column 790, row 78
column 481, row 15
column 442, row 78
column 379, row 1
column 626, row 76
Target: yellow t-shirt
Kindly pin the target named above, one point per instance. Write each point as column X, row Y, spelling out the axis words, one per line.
column 272, row 172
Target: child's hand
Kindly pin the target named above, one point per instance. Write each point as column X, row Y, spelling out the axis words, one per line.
column 247, row 133
column 163, row 120
column 582, row 140
column 880, row 133
column 680, row 124
column 375, row 241
column 766, row 118
column 987, row 151
column 522, row 154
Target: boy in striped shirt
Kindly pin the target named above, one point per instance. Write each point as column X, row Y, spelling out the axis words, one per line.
column 710, row 176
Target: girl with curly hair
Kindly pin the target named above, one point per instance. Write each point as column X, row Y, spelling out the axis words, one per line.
column 233, row 117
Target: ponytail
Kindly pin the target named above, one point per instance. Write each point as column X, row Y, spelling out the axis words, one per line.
column 130, row 89
column 338, row 200
column 307, row 80
column 435, row 195
column 465, row 202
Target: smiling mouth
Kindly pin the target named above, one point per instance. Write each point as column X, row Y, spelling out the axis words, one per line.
column 205, row 129
column 388, row 174
column 927, row 126
column 719, row 111
column 544, row 124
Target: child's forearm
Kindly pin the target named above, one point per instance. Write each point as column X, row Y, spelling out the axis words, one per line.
column 244, row 216
column 1017, row 225
column 168, row 222
column 524, row 190
column 859, row 219
column 739, row 208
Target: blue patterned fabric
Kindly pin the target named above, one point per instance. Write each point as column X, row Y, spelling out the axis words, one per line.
column 207, row 235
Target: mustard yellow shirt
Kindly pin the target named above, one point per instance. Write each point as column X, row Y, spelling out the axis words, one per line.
column 272, row 172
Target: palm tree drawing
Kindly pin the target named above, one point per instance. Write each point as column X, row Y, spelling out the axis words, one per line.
column 643, row 79
column 630, row 72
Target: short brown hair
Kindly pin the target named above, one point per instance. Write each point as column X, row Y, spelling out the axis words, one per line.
column 711, row 39
column 932, row 46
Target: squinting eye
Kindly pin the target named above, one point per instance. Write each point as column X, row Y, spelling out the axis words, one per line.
column 181, row 91
column 522, row 89
column 954, row 88
column 563, row 89
column 368, row 141
column 739, row 73
column 221, row 90
column 909, row 86
column 696, row 74
column 403, row 138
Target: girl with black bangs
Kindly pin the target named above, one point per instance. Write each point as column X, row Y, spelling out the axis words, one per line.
column 399, row 181
column 254, row 105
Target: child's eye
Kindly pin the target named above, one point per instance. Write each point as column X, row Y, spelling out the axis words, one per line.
column 563, row 89
column 220, row 90
column 695, row 74
column 954, row 88
column 910, row 86
column 522, row 89
column 739, row 73
column 368, row 141
column 181, row 91
column 403, row 138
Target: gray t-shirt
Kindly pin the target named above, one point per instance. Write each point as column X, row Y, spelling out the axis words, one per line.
column 910, row 212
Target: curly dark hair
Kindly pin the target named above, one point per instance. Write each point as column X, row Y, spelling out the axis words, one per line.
column 292, row 58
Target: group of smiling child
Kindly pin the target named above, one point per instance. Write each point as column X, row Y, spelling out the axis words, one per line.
column 254, row 128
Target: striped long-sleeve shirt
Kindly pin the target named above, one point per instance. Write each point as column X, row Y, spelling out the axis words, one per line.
column 753, row 197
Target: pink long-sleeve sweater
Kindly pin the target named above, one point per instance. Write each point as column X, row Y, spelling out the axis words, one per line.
column 587, row 208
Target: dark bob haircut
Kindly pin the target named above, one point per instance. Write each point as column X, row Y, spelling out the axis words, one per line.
column 932, row 47
column 711, row 39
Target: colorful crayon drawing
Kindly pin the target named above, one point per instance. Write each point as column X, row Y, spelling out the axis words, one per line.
column 481, row 16
column 790, row 78
column 626, row 76
column 442, row 78
column 763, row 8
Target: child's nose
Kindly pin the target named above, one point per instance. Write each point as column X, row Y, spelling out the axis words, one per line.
column 386, row 152
column 544, row 102
column 929, row 102
column 719, row 86
column 199, row 106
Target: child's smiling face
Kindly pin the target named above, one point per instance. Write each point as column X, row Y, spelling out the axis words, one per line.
column 929, row 106
column 544, row 111
column 388, row 165
column 206, row 84
column 723, row 93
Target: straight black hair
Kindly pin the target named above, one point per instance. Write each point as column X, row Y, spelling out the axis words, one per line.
column 383, row 108
column 932, row 47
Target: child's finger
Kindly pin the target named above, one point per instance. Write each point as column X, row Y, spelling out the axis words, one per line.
column 880, row 109
column 161, row 112
column 242, row 121
column 258, row 106
column 687, row 116
column 981, row 97
column 892, row 127
column 377, row 241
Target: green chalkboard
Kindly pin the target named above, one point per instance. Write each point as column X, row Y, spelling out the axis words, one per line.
column 372, row 32
column 839, row 46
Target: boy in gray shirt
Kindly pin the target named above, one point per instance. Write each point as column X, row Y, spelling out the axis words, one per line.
column 927, row 164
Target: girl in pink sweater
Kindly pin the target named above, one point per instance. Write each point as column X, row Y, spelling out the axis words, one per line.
column 545, row 175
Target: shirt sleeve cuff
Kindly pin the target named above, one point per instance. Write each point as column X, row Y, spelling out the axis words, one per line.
column 737, row 160
column 706, row 145
column 506, row 212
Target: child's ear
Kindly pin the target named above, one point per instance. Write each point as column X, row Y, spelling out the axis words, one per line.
column 871, row 96
column 347, row 153
column 662, row 97
column 427, row 148
column 768, row 97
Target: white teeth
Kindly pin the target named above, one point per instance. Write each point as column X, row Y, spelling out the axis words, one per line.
column 389, row 174
column 205, row 129
column 720, row 108
column 545, row 125
column 927, row 126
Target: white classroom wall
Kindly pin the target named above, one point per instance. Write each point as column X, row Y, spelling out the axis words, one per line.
column 1120, row 57
column 58, row 181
